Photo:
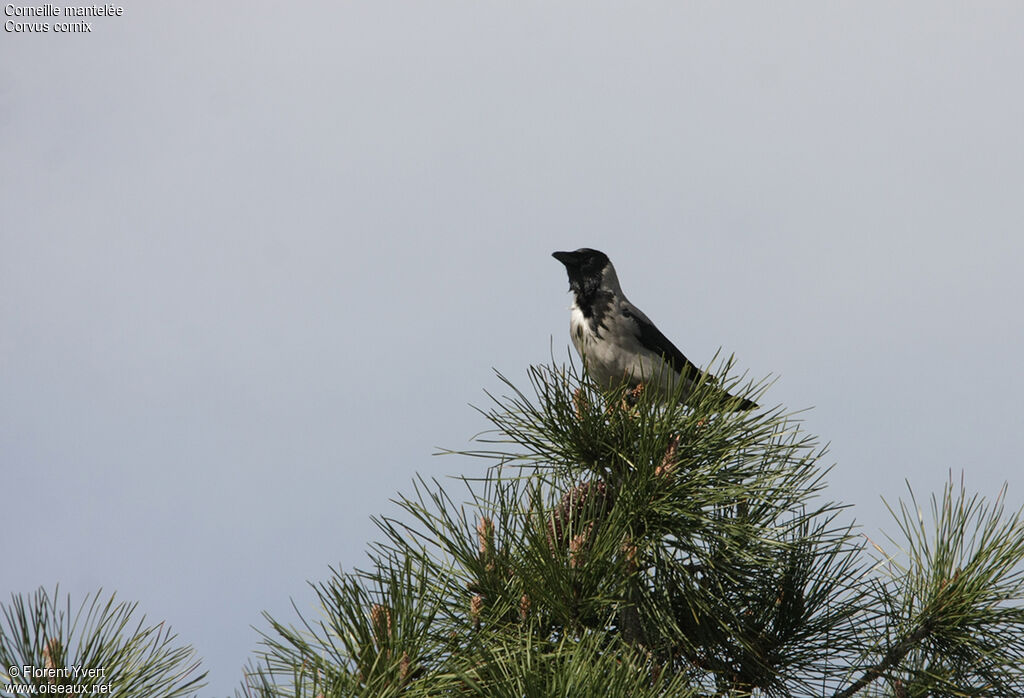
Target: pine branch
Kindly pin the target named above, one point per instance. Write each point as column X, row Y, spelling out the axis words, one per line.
column 893, row 657
column 128, row 659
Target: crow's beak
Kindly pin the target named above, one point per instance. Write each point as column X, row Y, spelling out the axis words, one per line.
column 566, row 258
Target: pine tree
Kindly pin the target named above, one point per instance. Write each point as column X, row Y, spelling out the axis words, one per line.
column 618, row 545
column 47, row 648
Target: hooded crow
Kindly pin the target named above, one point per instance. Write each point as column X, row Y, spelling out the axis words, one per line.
column 618, row 343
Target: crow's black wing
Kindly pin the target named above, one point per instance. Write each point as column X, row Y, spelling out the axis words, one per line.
column 651, row 338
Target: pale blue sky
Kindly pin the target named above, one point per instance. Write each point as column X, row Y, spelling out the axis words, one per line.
column 257, row 258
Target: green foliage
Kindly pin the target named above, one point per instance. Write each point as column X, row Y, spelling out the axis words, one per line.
column 955, row 626
column 128, row 658
column 617, row 545
column 622, row 546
